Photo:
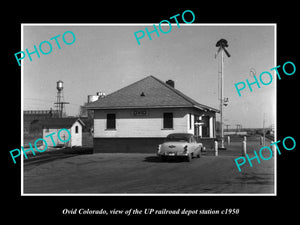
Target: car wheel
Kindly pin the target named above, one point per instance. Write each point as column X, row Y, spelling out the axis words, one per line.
column 189, row 157
column 199, row 153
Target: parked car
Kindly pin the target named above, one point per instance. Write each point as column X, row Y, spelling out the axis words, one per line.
column 180, row 145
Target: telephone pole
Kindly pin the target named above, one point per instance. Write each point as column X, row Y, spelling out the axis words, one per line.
column 222, row 43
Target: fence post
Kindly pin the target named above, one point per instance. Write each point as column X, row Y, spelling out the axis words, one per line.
column 228, row 140
column 216, row 148
column 244, row 151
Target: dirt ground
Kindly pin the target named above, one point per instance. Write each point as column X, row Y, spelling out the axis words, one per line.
column 138, row 173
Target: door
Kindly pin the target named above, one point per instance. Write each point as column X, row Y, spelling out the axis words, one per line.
column 205, row 127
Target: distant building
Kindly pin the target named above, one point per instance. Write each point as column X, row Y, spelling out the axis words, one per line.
column 138, row 117
column 74, row 125
column 32, row 117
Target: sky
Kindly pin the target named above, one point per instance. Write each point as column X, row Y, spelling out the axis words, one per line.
column 107, row 58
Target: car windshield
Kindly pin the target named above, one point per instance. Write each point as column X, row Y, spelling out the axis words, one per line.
column 177, row 138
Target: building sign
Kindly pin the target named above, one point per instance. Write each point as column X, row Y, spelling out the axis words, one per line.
column 140, row 113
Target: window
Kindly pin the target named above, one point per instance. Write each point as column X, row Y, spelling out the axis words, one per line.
column 111, row 121
column 178, row 137
column 190, row 120
column 168, row 120
column 76, row 130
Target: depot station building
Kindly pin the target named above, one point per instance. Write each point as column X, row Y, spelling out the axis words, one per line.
column 138, row 117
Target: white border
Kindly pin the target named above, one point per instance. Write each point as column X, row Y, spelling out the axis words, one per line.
column 22, row 113
column 149, row 24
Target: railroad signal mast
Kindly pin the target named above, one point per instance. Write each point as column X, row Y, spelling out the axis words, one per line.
column 222, row 44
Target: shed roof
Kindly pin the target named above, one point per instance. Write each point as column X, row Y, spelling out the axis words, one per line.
column 60, row 122
column 149, row 92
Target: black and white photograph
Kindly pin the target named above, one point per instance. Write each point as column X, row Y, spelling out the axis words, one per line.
column 145, row 112
column 161, row 117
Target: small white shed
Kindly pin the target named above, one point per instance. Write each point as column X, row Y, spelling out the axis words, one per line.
column 54, row 125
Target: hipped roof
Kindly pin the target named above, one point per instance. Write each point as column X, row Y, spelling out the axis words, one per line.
column 60, row 122
column 149, row 92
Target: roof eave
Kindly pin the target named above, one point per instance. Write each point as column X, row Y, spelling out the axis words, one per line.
column 207, row 108
column 155, row 107
column 138, row 107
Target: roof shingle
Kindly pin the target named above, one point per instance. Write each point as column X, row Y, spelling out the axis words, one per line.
column 59, row 122
column 149, row 92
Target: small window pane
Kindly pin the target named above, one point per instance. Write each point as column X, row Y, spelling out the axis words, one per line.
column 168, row 120
column 111, row 121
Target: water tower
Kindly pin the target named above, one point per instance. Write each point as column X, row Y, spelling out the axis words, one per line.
column 59, row 104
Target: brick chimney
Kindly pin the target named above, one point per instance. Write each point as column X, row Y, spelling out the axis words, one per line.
column 171, row 83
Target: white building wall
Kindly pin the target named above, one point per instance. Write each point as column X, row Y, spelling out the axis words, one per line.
column 76, row 138
column 190, row 123
column 55, row 137
column 150, row 125
column 48, row 139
